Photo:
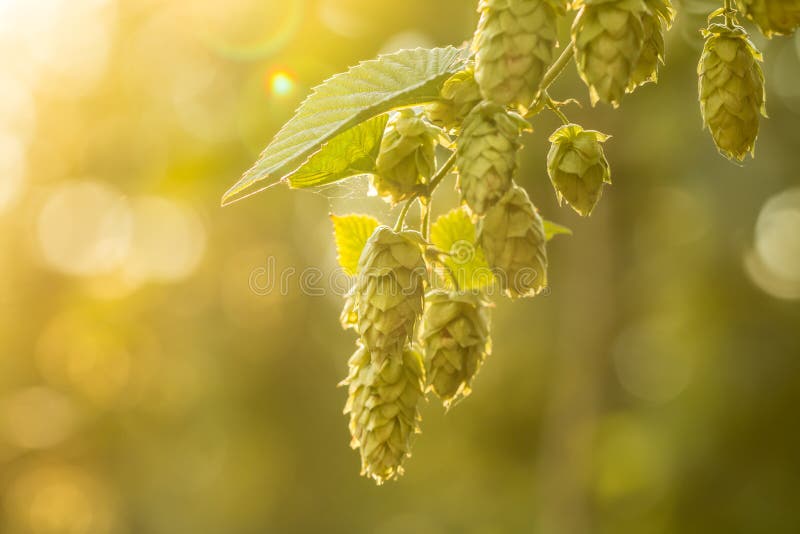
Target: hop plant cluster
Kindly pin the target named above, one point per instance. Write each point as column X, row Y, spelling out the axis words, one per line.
column 422, row 293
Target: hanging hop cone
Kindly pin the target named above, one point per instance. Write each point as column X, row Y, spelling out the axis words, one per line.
column 773, row 17
column 731, row 86
column 655, row 21
column 578, row 167
column 407, row 156
column 459, row 94
column 609, row 38
column 455, row 335
column 514, row 44
column 382, row 401
column 389, row 289
column 487, row 155
column 513, row 240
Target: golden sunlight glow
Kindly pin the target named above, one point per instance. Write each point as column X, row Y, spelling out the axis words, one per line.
column 281, row 83
column 84, row 229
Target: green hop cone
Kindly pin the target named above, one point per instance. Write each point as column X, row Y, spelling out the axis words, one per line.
column 731, row 86
column 459, row 94
column 514, row 44
column 407, row 156
column 513, row 239
column 389, row 289
column 578, row 167
column 608, row 36
column 773, row 17
column 455, row 335
column 487, row 154
column 383, row 397
column 655, row 22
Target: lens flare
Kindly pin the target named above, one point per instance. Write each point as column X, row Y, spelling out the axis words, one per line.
column 281, row 83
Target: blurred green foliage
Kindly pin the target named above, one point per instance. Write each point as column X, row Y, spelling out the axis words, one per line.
column 150, row 382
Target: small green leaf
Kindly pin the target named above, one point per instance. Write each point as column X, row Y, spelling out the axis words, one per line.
column 351, row 233
column 403, row 79
column 552, row 229
column 454, row 234
column 350, row 153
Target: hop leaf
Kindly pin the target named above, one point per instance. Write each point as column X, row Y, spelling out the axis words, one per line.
column 389, row 289
column 608, row 37
column 514, row 44
column 773, row 17
column 577, row 167
column 383, row 397
column 459, row 95
column 454, row 234
column 371, row 88
column 455, row 335
column 731, row 86
column 487, row 154
column 350, row 232
column 407, row 156
column 513, row 237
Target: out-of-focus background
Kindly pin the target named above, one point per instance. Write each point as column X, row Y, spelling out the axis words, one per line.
column 147, row 386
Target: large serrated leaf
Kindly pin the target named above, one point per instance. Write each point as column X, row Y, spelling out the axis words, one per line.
column 352, row 152
column 405, row 78
column 454, row 234
column 351, row 233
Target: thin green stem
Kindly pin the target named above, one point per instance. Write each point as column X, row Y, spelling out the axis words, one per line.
column 730, row 14
column 425, row 218
column 553, row 106
column 440, row 174
column 552, row 74
column 402, row 217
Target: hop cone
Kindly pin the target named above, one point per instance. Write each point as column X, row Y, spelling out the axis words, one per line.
column 514, row 44
column 459, row 94
column 731, row 90
column 406, row 157
column 389, row 289
column 487, row 155
column 655, row 21
column 578, row 167
column 773, row 17
column 609, row 38
column 382, row 400
column 455, row 334
column 513, row 240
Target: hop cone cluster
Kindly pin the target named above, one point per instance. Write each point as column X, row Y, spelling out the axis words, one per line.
column 578, row 167
column 459, row 94
column 773, row 17
column 487, row 155
column 389, row 290
column 407, row 156
column 609, row 37
column 382, row 401
column 732, row 95
column 455, row 334
column 514, row 242
column 655, row 21
column 514, row 44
